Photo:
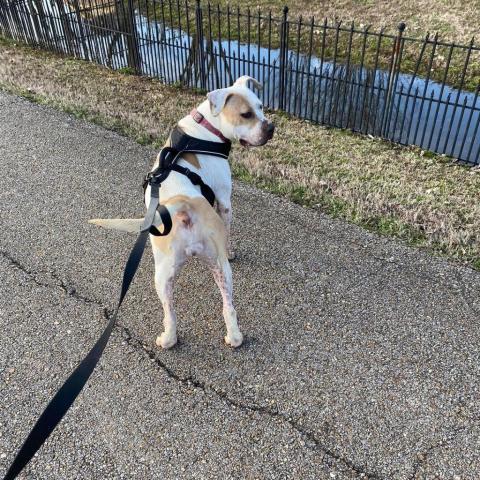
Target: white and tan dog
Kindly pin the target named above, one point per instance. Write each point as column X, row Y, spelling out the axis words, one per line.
column 197, row 228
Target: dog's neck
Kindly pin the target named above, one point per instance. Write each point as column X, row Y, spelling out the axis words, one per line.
column 192, row 128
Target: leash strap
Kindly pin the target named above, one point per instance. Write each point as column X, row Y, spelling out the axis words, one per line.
column 69, row 391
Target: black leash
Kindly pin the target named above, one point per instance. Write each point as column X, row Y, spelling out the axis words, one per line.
column 69, row 391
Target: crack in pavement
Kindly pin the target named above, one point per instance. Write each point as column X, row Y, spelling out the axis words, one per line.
column 422, row 457
column 190, row 381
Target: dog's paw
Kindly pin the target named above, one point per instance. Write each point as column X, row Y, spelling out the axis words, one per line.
column 234, row 340
column 166, row 340
column 231, row 255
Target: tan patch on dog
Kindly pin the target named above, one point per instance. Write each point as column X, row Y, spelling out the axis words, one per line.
column 196, row 213
column 235, row 105
column 192, row 159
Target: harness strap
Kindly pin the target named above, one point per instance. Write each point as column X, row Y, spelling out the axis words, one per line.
column 181, row 142
column 196, row 179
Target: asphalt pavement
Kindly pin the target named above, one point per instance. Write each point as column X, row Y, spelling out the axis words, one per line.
column 361, row 355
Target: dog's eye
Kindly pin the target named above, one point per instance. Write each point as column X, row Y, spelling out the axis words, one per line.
column 247, row 115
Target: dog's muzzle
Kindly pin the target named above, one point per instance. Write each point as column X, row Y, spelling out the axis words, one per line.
column 268, row 128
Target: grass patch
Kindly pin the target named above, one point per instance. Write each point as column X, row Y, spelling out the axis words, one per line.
column 423, row 199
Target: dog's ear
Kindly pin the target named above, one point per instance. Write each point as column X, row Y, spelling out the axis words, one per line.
column 244, row 80
column 217, row 99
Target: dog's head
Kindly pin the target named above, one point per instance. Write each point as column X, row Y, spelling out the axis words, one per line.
column 240, row 113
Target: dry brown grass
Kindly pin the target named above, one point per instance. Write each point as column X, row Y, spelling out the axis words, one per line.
column 455, row 20
column 393, row 190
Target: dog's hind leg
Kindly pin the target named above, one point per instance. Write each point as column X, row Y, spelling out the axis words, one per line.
column 166, row 270
column 223, row 278
column 224, row 210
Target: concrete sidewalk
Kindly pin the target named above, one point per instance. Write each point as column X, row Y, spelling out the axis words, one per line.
column 362, row 356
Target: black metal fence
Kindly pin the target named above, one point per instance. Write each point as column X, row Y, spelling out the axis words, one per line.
column 410, row 91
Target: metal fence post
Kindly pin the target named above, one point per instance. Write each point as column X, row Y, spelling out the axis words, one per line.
column 84, row 48
column 282, row 74
column 133, row 53
column 200, row 56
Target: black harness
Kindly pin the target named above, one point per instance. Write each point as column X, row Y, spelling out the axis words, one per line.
column 68, row 392
column 181, row 143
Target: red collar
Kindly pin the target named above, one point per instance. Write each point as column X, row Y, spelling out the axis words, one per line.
column 201, row 120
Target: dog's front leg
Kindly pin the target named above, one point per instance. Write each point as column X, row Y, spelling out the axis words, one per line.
column 223, row 279
column 165, row 272
column 224, row 209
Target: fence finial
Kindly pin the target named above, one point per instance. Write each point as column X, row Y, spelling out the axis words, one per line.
column 402, row 26
column 285, row 9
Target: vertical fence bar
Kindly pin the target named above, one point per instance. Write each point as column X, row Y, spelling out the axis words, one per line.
column 427, row 116
column 159, row 51
column 86, row 50
column 272, row 104
column 399, row 101
column 223, row 79
column 239, row 72
column 166, row 47
column 200, row 46
column 157, row 45
column 132, row 43
column 414, row 106
column 322, row 57
column 361, row 75
column 171, row 44
column 102, row 32
column 440, row 95
column 467, row 128
column 248, row 41
column 259, row 41
column 28, row 24
column 312, row 101
column 94, row 37
column 447, row 104
column 229, row 40
column 454, row 144
column 346, row 86
column 332, row 76
column 297, row 66
column 393, row 78
column 309, row 67
column 427, row 80
column 210, row 53
column 282, row 60
column 150, row 58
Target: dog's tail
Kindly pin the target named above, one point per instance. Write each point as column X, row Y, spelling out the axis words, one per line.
column 134, row 224
column 122, row 224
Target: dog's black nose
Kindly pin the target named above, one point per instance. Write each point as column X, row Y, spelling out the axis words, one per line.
column 270, row 128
